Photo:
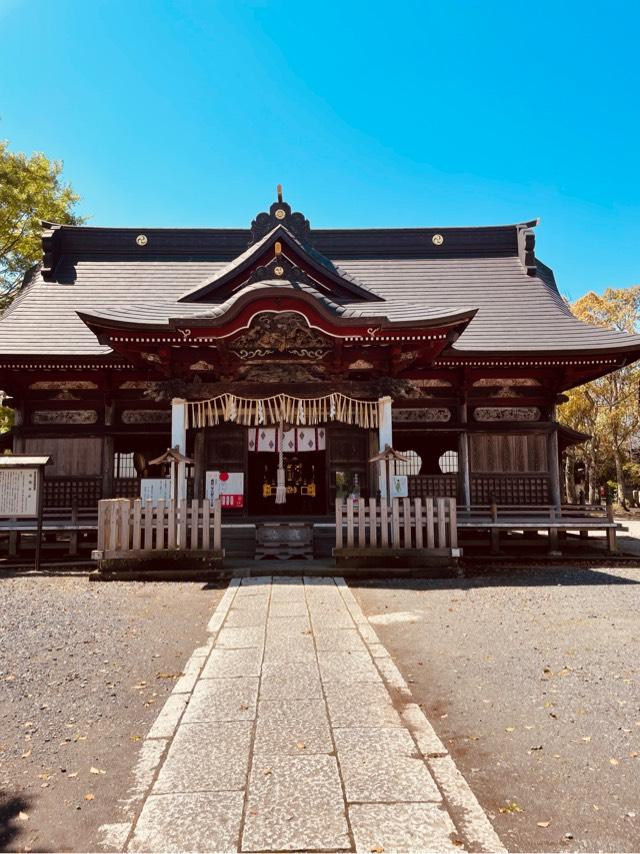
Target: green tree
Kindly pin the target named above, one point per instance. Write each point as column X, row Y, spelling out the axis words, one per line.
column 6, row 419
column 31, row 189
column 607, row 408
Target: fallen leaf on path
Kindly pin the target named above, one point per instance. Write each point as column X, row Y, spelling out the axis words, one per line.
column 613, row 762
column 93, row 770
column 89, row 796
column 75, row 774
column 23, row 816
column 301, row 745
column 511, row 807
column 543, row 823
column 510, row 729
column 26, row 754
column 376, row 849
column 586, row 738
column 135, row 737
column 169, row 675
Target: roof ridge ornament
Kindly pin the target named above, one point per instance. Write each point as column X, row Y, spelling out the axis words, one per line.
column 280, row 213
column 527, row 246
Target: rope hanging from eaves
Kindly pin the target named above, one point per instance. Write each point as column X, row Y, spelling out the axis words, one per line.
column 282, row 408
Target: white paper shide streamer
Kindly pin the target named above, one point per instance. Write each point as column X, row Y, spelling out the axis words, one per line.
column 282, row 409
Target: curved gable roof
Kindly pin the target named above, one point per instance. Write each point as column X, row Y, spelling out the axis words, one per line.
column 339, row 283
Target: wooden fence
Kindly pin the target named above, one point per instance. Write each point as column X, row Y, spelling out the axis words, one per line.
column 137, row 526
column 406, row 523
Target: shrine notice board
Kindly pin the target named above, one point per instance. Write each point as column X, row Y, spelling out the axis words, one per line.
column 19, row 492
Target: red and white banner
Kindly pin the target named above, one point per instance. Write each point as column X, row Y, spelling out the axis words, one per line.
column 295, row 441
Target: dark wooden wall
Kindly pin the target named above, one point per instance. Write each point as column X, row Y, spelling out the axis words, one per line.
column 70, row 457
column 495, row 453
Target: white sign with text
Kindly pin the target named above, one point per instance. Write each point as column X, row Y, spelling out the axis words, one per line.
column 19, row 492
column 155, row 489
column 228, row 486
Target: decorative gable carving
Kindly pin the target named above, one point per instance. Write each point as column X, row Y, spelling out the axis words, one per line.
column 280, row 335
column 280, row 213
column 281, row 268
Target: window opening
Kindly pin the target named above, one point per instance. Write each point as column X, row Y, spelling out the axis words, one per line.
column 448, row 462
column 411, row 466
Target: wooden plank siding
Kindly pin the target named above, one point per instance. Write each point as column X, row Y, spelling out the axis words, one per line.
column 499, row 453
column 70, row 457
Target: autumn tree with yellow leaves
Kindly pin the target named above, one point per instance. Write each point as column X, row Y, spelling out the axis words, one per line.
column 607, row 408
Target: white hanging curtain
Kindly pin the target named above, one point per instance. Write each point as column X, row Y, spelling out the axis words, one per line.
column 294, row 441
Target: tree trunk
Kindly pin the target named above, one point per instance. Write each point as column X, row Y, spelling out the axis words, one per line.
column 617, row 455
column 591, row 479
column 569, row 478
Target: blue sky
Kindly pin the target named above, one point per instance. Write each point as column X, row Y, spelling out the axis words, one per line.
column 370, row 114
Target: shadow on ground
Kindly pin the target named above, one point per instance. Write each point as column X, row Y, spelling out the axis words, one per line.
column 508, row 576
column 10, row 823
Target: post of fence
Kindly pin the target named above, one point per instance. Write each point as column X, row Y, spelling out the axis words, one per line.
column 217, row 525
column 612, row 544
column 339, row 537
column 495, row 532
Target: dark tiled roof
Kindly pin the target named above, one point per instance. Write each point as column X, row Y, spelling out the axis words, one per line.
column 100, row 272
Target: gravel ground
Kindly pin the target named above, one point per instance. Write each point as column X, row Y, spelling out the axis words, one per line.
column 532, row 681
column 84, row 670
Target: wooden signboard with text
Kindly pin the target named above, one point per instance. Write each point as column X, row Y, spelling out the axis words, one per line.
column 19, row 492
column 21, row 482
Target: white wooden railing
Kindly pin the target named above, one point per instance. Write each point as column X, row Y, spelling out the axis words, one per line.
column 134, row 526
column 405, row 523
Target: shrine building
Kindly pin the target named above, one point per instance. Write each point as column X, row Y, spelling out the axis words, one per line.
column 279, row 359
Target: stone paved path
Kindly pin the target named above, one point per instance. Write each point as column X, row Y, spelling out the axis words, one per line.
column 292, row 730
